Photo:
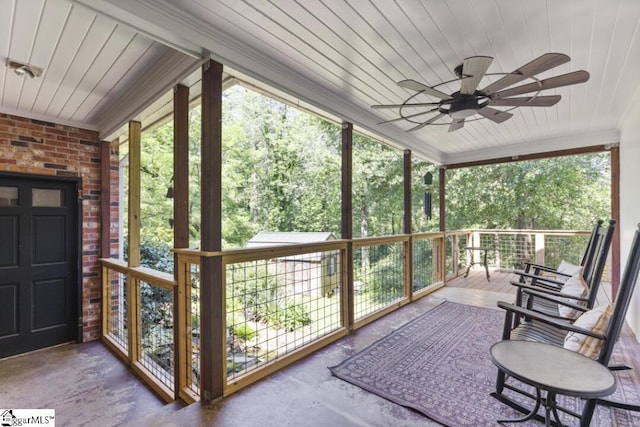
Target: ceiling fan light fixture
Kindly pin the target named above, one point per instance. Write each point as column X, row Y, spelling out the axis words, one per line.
column 25, row 70
column 463, row 114
column 464, row 106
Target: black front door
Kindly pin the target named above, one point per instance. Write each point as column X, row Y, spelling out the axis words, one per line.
column 38, row 264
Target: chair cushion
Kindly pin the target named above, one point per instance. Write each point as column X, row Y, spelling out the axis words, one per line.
column 576, row 287
column 595, row 320
column 568, row 269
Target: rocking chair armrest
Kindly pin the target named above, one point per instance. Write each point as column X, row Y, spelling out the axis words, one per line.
column 558, row 298
column 539, row 278
column 539, row 267
column 550, row 320
column 525, row 287
column 541, row 283
column 550, row 295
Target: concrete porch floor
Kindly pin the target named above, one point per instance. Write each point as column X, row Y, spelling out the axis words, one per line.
column 85, row 383
column 88, row 386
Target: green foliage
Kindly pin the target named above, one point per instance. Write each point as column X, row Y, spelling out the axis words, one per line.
column 264, row 299
column 155, row 302
column 560, row 193
column 290, row 317
column 384, row 278
column 156, row 254
column 156, row 176
column 243, row 332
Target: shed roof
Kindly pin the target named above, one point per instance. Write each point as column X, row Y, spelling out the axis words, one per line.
column 276, row 238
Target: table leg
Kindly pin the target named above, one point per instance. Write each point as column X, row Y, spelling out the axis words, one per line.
column 486, row 268
column 551, row 406
column 530, row 415
column 466, row 273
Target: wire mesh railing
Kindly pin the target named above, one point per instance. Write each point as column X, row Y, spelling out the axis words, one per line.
column 379, row 275
column 281, row 303
column 115, row 297
column 155, row 332
column 512, row 249
column 278, row 304
column 192, row 353
column 138, row 316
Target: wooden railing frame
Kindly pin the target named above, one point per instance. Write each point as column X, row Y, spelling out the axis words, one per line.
column 182, row 311
column 133, row 354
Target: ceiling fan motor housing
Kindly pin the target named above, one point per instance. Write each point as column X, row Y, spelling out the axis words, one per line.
column 463, row 106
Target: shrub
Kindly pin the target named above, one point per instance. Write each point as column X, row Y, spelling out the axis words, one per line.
column 243, row 332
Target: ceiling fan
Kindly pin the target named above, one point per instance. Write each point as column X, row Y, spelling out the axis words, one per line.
column 469, row 100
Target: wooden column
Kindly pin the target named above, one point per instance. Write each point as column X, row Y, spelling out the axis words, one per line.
column 615, row 215
column 347, row 223
column 406, row 229
column 181, row 311
column 133, row 238
column 441, row 270
column 212, row 364
column 105, row 199
column 442, row 197
column 133, row 232
column 181, row 166
column 406, row 225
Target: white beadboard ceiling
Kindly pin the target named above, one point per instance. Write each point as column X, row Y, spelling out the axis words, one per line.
column 105, row 59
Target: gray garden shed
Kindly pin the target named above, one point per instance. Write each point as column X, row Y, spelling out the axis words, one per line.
column 313, row 274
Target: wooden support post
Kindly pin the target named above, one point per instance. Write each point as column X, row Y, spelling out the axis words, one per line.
column 181, row 311
column 455, row 253
column 442, row 197
column 133, row 239
column 105, row 199
column 212, row 323
column 539, row 255
column 348, row 317
column 181, row 166
column 442, row 249
column 407, row 226
column 615, row 215
column 133, row 232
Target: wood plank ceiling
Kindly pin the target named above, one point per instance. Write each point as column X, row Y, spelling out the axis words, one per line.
column 340, row 56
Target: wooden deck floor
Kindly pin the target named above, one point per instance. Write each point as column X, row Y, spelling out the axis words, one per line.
column 499, row 282
column 477, row 279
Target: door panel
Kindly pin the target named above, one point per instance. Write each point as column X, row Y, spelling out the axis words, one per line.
column 9, row 247
column 49, row 239
column 49, row 308
column 9, row 312
column 38, row 264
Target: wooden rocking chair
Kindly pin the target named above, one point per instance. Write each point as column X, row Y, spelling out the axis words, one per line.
column 546, row 295
column 556, row 329
column 533, row 270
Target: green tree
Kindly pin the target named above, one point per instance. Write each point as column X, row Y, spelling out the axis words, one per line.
column 560, row 193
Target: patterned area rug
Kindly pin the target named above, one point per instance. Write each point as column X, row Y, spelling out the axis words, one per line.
column 439, row 365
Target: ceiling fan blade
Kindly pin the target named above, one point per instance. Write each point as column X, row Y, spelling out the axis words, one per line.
column 538, row 65
column 428, row 122
column 408, row 117
column 494, row 115
column 419, row 87
column 527, row 101
column 456, row 124
column 550, row 83
column 421, row 104
column 474, row 67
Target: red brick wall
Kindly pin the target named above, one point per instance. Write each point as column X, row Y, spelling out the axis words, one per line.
column 41, row 148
